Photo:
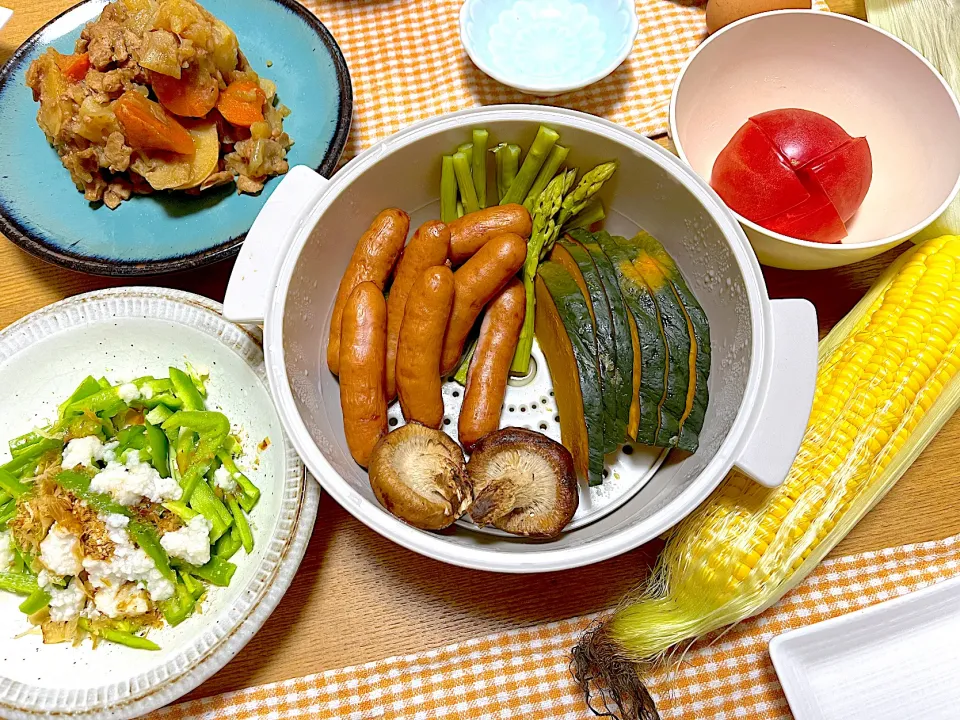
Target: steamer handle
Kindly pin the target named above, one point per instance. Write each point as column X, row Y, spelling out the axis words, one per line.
column 254, row 277
column 785, row 413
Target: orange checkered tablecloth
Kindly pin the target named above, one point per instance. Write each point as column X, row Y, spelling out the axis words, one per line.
column 407, row 64
column 525, row 673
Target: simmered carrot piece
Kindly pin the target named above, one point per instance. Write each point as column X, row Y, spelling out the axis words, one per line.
column 148, row 126
column 242, row 103
column 74, row 66
column 193, row 95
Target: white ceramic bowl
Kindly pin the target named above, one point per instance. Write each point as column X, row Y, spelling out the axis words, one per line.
column 763, row 360
column 868, row 81
column 548, row 47
column 135, row 331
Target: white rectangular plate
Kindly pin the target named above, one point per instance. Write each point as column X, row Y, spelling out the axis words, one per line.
column 5, row 16
column 894, row 660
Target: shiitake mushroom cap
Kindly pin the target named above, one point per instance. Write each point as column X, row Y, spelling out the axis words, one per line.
column 523, row 483
column 419, row 475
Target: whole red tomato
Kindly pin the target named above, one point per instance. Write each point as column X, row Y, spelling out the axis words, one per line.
column 794, row 172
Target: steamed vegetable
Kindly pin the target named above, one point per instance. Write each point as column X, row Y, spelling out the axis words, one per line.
column 885, row 386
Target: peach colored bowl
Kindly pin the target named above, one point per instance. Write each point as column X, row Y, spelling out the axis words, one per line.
column 860, row 76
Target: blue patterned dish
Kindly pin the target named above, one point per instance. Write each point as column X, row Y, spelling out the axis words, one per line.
column 42, row 211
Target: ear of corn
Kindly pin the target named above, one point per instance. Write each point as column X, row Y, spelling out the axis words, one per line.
column 884, row 388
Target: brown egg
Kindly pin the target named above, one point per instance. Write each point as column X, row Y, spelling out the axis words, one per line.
column 723, row 12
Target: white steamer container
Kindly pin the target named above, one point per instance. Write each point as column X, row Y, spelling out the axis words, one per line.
column 764, row 352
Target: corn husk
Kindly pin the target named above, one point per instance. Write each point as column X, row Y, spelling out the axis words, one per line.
column 710, row 574
column 931, row 27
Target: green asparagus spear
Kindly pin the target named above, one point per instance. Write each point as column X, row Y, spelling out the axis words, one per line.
column 589, row 186
column 542, row 145
column 479, row 162
column 467, row 149
column 554, row 161
column 508, row 161
column 460, row 375
column 448, row 190
column 544, row 226
column 468, row 194
column 591, row 214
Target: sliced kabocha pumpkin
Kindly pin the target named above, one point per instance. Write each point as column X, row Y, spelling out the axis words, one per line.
column 673, row 326
column 565, row 333
column 650, row 343
column 579, row 264
column 627, row 359
column 698, row 327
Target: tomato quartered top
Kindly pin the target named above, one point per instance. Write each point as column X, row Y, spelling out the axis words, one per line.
column 794, row 172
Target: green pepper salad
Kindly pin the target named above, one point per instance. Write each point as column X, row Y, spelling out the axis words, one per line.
column 116, row 518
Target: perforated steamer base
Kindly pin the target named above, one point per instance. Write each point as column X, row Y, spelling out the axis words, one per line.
column 529, row 403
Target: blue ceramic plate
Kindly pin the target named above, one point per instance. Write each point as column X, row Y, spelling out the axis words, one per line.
column 42, row 211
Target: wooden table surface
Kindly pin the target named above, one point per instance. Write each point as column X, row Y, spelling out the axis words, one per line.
column 359, row 597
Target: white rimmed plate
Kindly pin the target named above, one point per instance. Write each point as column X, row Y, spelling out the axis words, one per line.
column 897, row 659
column 130, row 332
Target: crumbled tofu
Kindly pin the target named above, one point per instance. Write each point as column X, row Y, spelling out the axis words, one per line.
column 6, row 551
column 190, row 543
column 146, row 391
column 109, row 453
column 82, row 451
column 125, row 600
column 66, row 603
column 128, row 392
column 127, row 483
column 128, row 564
column 60, row 551
column 224, row 480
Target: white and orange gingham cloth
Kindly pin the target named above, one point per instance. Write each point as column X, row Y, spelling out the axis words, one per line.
column 407, row 64
column 525, row 673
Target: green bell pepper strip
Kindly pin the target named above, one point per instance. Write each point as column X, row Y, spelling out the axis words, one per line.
column 35, row 602
column 194, row 586
column 11, row 485
column 19, row 444
column 104, row 383
column 185, row 390
column 159, row 414
column 149, row 541
column 250, row 492
column 157, row 445
column 153, row 386
column 131, row 437
column 212, row 429
column 166, row 400
column 181, row 510
column 207, row 504
column 217, row 572
column 19, row 583
column 241, row 524
column 7, row 513
column 142, row 534
column 228, row 545
column 178, row 608
column 198, row 379
column 29, row 458
column 88, row 387
column 118, row 636
column 105, row 402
